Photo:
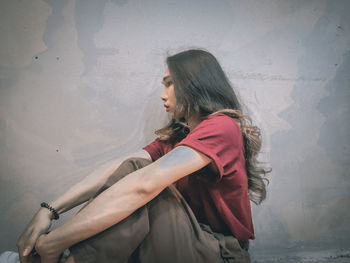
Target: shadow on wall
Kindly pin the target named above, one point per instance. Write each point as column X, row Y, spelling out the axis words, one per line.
column 335, row 132
column 306, row 218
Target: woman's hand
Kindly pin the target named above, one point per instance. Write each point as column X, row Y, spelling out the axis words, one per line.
column 39, row 225
column 48, row 253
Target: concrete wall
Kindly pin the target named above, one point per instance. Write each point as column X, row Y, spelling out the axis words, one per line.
column 80, row 84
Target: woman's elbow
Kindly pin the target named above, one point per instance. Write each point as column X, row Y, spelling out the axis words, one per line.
column 148, row 184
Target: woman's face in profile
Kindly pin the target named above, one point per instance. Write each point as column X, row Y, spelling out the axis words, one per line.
column 168, row 94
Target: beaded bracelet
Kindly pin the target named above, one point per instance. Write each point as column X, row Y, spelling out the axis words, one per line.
column 53, row 210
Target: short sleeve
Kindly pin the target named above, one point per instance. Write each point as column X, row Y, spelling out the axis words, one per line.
column 219, row 138
column 156, row 149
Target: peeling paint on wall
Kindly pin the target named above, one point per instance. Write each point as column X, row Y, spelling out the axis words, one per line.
column 22, row 22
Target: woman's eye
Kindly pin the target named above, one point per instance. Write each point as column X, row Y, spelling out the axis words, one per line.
column 168, row 84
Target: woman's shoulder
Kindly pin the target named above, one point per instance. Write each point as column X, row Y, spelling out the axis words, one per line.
column 219, row 122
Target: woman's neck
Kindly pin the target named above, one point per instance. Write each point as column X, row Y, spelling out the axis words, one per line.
column 193, row 121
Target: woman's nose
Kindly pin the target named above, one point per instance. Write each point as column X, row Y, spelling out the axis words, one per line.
column 164, row 96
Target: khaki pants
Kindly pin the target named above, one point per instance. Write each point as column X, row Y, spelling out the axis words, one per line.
column 164, row 230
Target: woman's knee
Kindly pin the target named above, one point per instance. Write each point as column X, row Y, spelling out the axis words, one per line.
column 126, row 167
column 136, row 162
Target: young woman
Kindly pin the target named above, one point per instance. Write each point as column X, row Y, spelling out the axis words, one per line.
column 184, row 198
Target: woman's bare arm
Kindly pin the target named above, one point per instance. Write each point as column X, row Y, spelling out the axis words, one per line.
column 75, row 195
column 89, row 185
column 121, row 199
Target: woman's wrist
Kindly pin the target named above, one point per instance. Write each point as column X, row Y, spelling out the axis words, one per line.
column 51, row 209
column 46, row 212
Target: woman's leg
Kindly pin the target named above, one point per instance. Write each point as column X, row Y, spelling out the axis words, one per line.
column 164, row 230
column 160, row 231
column 173, row 236
column 118, row 242
column 174, row 233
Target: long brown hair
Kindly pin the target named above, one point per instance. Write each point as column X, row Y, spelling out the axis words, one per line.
column 202, row 87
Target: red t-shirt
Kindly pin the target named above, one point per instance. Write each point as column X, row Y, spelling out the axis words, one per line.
column 220, row 199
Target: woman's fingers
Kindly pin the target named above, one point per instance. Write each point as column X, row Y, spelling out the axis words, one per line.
column 21, row 246
column 26, row 244
column 29, row 244
column 47, row 252
column 39, row 224
column 25, row 259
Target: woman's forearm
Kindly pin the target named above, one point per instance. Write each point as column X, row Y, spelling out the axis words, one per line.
column 107, row 209
column 84, row 189
column 91, row 184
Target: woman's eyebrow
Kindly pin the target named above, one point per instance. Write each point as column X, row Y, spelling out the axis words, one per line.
column 165, row 78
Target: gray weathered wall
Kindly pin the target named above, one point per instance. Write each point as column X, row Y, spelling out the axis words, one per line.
column 80, row 84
